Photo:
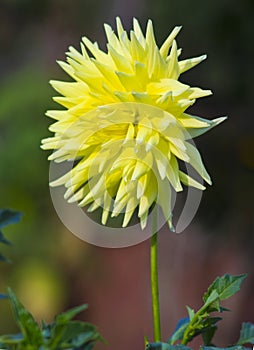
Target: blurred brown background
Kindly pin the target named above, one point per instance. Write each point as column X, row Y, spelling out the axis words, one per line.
column 54, row 270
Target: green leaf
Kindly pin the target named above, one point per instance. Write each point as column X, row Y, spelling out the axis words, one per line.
column 67, row 334
column 209, row 329
column 78, row 333
column 179, row 331
column 225, row 286
column 66, row 316
column 29, row 328
column 212, row 303
column 87, row 333
column 64, row 333
column 246, row 334
column 8, row 216
column 208, row 335
column 59, row 327
column 165, row 346
column 201, row 322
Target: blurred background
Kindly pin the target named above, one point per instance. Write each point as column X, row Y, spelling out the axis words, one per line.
column 53, row 270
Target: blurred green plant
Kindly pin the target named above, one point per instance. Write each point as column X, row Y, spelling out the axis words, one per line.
column 202, row 323
column 64, row 333
column 7, row 217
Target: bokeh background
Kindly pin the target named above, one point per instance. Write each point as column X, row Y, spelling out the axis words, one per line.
column 52, row 269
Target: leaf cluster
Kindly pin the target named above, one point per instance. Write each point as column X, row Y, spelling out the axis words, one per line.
column 63, row 333
column 203, row 323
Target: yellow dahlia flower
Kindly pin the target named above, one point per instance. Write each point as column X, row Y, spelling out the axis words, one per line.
column 125, row 124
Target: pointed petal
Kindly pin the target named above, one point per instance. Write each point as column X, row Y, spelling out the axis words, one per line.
column 164, row 200
column 173, row 174
column 190, row 63
column 150, row 39
column 173, row 66
column 143, row 220
column 138, row 32
column 168, row 42
column 196, row 162
column 119, row 26
column 189, row 181
column 130, row 208
column 192, row 128
column 106, row 207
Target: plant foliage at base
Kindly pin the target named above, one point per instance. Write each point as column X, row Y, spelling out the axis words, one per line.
column 202, row 323
column 64, row 333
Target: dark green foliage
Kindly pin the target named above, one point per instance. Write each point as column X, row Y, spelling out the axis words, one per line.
column 64, row 333
column 225, row 286
column 202, row 323
column 246, row 334
column 180, row 329
column 7, row 217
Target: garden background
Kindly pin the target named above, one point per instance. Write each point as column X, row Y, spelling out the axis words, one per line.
column 53, row 270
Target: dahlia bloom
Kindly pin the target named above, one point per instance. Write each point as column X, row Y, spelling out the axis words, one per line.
column 125, row 125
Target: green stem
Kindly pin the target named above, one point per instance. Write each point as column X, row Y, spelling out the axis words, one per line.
column 154, row 280
column 194, row 324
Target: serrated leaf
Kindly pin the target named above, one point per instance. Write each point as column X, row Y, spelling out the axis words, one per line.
column 179, row 330
column 65, row 333
column 28, row 326
column 246, row 334
column 66, row 316
column 165, row 346
column 78, row 333
column 225, row 286
column 8, row 216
